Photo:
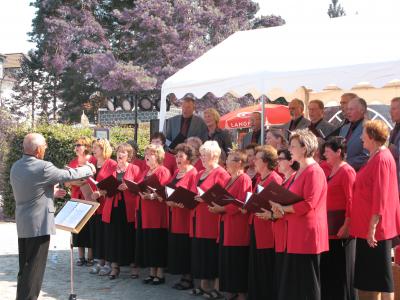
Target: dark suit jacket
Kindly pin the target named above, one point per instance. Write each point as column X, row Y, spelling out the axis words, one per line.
column 304, row 123
column 247, row 140
column 197, row 128
column 395, row 151
column 356, row 155
column 326, row 128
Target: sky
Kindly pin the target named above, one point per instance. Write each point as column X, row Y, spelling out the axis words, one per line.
column 16, row 16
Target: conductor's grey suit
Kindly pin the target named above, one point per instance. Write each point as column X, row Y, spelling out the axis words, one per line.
column 33, row 181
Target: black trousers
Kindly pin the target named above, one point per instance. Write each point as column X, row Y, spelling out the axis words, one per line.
column 32, row 263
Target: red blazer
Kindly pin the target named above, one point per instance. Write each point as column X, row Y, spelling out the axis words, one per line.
column 75, row 190
column 263, row 228
column 236, row 227
column 307, row 231
column 199, row 165
column 206, row 223
column 154, row 212
column 280, row 226
column 170, row 162
column 376, row 193
column 340, row 190
column 106, row 170
column 325, row 167
column 132, row 173
column 180, row 217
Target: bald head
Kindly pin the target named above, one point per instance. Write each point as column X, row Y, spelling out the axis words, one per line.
column 32, row 143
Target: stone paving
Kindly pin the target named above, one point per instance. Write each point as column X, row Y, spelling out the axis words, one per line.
column 56, row 284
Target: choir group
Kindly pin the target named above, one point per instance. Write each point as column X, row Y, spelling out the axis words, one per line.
column 335, row 241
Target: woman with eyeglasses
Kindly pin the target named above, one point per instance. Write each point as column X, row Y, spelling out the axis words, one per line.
column 234, row 230
column 105, row 167
column 337, row 265
column 82, row 240
column 306, row 236
column 119, row 215
column 261, row 254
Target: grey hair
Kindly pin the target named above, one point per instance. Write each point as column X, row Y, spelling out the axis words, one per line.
column 211, row 148
column 32, row 142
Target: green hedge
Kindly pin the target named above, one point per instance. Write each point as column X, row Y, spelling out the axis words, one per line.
column 60, row 140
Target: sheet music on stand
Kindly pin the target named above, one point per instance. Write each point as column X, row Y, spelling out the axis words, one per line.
column 73, row 217
column 75, row 214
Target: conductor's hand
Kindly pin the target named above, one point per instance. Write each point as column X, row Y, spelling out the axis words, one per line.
column 59, row 192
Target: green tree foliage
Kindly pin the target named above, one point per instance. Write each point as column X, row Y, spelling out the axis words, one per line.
column 60, row 140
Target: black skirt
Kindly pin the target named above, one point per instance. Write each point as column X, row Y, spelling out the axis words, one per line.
column 373, row 267
column 233, row 266
column 119, row 237
column 337, row 270
column 299, row 277
column 83, row 238
column 178, row 253
column 204, row 258
column 151, row 248
column 97, row 234
column 261, row 271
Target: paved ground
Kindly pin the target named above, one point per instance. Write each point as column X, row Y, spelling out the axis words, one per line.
column 56, row 283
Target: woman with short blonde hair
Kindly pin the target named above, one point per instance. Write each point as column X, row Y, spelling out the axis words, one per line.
column 223, row 137
column 306, row 236
column 105, row 167
column 375, row 214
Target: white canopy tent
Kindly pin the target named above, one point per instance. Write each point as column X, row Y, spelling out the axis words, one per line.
column 341, row 51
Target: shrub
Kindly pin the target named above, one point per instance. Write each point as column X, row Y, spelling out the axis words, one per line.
column 60, row 140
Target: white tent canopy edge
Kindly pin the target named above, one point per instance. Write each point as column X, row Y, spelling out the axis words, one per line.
column 343, row 51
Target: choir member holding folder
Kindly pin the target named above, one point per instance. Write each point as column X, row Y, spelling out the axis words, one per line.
column 119, row 215
column 261, row 253
column 82, row 240
column 204, row 224
column 178, row 239
column 337, row 265
column 288, row 167
column 375, row 214
column 105, row 167
column 153, row 225
column 307, row 228
column 234, row 230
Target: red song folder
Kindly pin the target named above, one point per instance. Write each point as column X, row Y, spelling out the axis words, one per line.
column 336, row 219
column 184, row 196
column 109, row 184
column 220, row 196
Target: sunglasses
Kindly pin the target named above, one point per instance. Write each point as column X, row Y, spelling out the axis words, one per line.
column 78, row 145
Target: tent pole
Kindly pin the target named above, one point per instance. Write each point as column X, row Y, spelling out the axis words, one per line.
column 262, row 120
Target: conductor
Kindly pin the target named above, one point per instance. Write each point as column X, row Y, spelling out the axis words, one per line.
column 33, row 180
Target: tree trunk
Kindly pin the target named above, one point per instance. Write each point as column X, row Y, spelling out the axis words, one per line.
column 33, row 103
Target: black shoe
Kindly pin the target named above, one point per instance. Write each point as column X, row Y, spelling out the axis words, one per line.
column 158, row 280
column 148, row 279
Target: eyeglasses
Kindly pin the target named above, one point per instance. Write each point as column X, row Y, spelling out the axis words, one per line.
column 78, row 145
column 282, row 158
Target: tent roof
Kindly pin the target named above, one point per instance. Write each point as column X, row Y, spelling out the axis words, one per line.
column 341, row 51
